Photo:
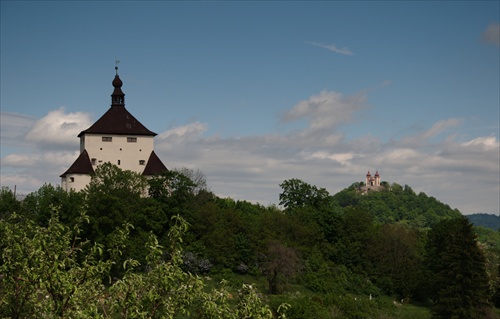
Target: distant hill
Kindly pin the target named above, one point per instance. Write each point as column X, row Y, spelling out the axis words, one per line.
column 393, row 203
column 485, row 220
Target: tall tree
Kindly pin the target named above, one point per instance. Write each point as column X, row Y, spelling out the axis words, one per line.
column 8, row 203
column 299, row 194
column 458, row 280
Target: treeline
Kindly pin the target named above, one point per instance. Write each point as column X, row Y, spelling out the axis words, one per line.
column 485, row 220
column 334, row 250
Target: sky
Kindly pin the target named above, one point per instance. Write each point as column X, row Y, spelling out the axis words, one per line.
column 255, row 93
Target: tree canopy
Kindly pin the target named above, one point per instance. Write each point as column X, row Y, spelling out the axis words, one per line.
column 344, row 254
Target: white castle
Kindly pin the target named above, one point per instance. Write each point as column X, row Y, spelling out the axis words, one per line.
column 118, row 138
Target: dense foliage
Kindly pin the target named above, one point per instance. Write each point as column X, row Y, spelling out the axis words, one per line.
column 350, row 255
column 485, row 220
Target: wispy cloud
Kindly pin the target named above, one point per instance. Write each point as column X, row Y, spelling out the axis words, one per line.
column 492, row 34
column 332, row 47
column 326, row 110
column 13, row 127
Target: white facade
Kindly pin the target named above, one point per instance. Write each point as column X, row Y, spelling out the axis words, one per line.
column 75, row 182
column 127, row 152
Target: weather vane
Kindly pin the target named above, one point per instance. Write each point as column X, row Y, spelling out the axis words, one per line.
column 116, row 65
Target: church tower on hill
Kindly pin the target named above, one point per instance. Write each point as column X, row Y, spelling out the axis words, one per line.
column 118, row 138
column 372, row 181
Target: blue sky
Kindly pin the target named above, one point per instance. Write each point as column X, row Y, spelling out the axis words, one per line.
column 253, row 93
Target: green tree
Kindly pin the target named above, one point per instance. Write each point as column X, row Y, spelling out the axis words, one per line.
column 39, row 205
column 396, row 254
column 458, row 280
column 47, row 273
column 8, row 203
column 113, row 196
column 298, row 194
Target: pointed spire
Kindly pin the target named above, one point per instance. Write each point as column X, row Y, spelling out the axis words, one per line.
column 118, row 97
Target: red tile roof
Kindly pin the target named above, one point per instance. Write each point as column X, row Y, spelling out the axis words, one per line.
column 154, row 165
column 82, row 165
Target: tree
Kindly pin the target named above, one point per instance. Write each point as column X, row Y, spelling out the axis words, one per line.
column 196, row 176
column 113, row 196
column 298, row 194
column 396, row 254
column 458, row 281
column 109, row 179
column 47, row 273
column 172, row 187
column 39, row 205
column 282, row 263
column 8, row 203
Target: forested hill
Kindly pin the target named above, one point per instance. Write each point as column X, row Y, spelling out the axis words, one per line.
column 485, row 220
column 396, row 203
column 345, row 256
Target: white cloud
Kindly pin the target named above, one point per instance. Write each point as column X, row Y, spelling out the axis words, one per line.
column 492, row 34
column 484, row 142
column 58, row 128
column 332, row 47
column 38, row 151
column 326, row 110
column 189, row 132
column 19, row 160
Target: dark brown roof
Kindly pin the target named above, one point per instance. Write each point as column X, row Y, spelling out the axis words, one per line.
column 117, row 120
column 82, row 165
column 154, row 165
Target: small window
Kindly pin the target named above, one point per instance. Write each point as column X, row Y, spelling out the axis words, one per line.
column 132, row 139
column 93, row 161
column 142, row 162
column 71, row 179
column 119, row 162
column 107, row 139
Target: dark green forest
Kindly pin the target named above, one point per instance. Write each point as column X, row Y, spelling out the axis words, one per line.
column 167, row 247
column 485, row 220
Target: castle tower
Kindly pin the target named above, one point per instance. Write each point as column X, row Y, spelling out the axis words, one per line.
column 118, row 138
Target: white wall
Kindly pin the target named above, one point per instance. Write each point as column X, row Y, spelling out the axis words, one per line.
column 76, row 182
column 125, row 154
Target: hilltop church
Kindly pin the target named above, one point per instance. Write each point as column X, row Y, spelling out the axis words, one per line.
column 117, row 137
column 372, row 183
